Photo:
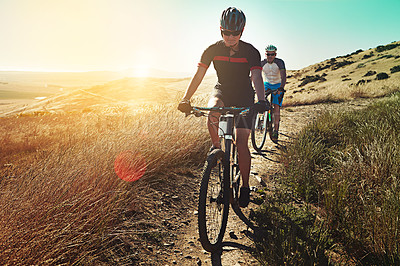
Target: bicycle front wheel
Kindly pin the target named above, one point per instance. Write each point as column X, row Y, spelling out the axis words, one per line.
column 270, row 123
column 259, row 130
column 213, row 202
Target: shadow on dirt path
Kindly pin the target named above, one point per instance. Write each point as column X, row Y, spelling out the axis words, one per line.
column 238, row 242
column 227, row 246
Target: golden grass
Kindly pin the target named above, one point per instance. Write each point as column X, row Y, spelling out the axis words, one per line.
column 61, row 201
column 341, row 92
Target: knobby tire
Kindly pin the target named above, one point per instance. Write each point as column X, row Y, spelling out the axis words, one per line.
column 213, row 201
column 270, row 124
column 259, row 131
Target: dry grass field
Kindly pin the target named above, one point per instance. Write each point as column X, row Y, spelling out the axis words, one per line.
column 61, row 201
column 345, row 77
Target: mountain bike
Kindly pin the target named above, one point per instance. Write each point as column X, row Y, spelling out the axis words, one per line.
column 220, row 178
column 262, row 124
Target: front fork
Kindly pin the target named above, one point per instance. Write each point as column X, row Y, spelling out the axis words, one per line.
column 226, row 132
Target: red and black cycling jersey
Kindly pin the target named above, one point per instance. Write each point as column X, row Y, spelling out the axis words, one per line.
column 234, row 85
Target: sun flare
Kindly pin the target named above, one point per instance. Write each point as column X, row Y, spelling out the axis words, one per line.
column 141, row 71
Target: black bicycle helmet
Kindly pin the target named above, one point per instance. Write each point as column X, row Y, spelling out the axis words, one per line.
column 233, row 19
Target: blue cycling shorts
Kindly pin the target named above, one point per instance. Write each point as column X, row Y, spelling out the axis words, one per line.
column 275, row 97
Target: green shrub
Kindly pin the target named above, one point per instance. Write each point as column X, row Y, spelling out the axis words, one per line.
column 333, row 64
column 370, row 73
column 386, row 56
column 366, row 56
column 341, row 64
column 381, row 76
column 382, row 48
column 395, row 69
column 360, row 82
column 361, row 65
column 320, row 68
column 315, row 78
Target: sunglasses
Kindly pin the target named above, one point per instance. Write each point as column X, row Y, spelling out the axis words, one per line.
column 228, row 32
column 268, row 54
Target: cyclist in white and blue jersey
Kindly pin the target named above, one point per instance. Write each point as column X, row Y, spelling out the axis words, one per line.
column 274, row 74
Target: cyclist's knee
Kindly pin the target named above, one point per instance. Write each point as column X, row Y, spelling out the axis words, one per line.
column 213, row 117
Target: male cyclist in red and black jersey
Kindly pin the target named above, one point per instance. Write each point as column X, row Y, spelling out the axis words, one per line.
column 274, row 72
column 238, row 65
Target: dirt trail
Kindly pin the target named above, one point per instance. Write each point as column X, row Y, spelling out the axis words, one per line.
column 237, row 243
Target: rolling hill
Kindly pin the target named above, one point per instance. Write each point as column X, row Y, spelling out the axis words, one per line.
column 370, row 73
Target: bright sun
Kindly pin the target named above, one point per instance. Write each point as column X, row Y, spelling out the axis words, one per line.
column 141, row 71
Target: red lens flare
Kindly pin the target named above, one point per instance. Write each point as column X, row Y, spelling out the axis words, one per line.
column 130, row 166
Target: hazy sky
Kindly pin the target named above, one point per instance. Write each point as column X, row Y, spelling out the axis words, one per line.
column 86, row 35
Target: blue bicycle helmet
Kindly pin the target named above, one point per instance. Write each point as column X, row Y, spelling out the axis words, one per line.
column 233, row 19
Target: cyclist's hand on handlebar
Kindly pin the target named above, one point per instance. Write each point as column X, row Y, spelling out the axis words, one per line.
column 184, row 106
column 262, row 106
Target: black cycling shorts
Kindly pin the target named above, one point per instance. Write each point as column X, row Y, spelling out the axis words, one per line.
column 242, row 121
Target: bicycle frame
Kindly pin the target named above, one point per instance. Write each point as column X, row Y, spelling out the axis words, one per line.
column 268, row 93
column 226, row 131
column 273, row 92
column 218, row 187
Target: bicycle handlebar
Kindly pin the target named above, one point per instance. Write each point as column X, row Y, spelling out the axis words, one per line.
column 197, row 111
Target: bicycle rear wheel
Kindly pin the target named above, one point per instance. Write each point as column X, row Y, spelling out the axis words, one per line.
column 213, row 202
column 259, row 130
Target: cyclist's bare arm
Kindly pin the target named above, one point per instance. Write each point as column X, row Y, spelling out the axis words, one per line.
column 195, row 82
column 258, row 83
column 283, row 77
